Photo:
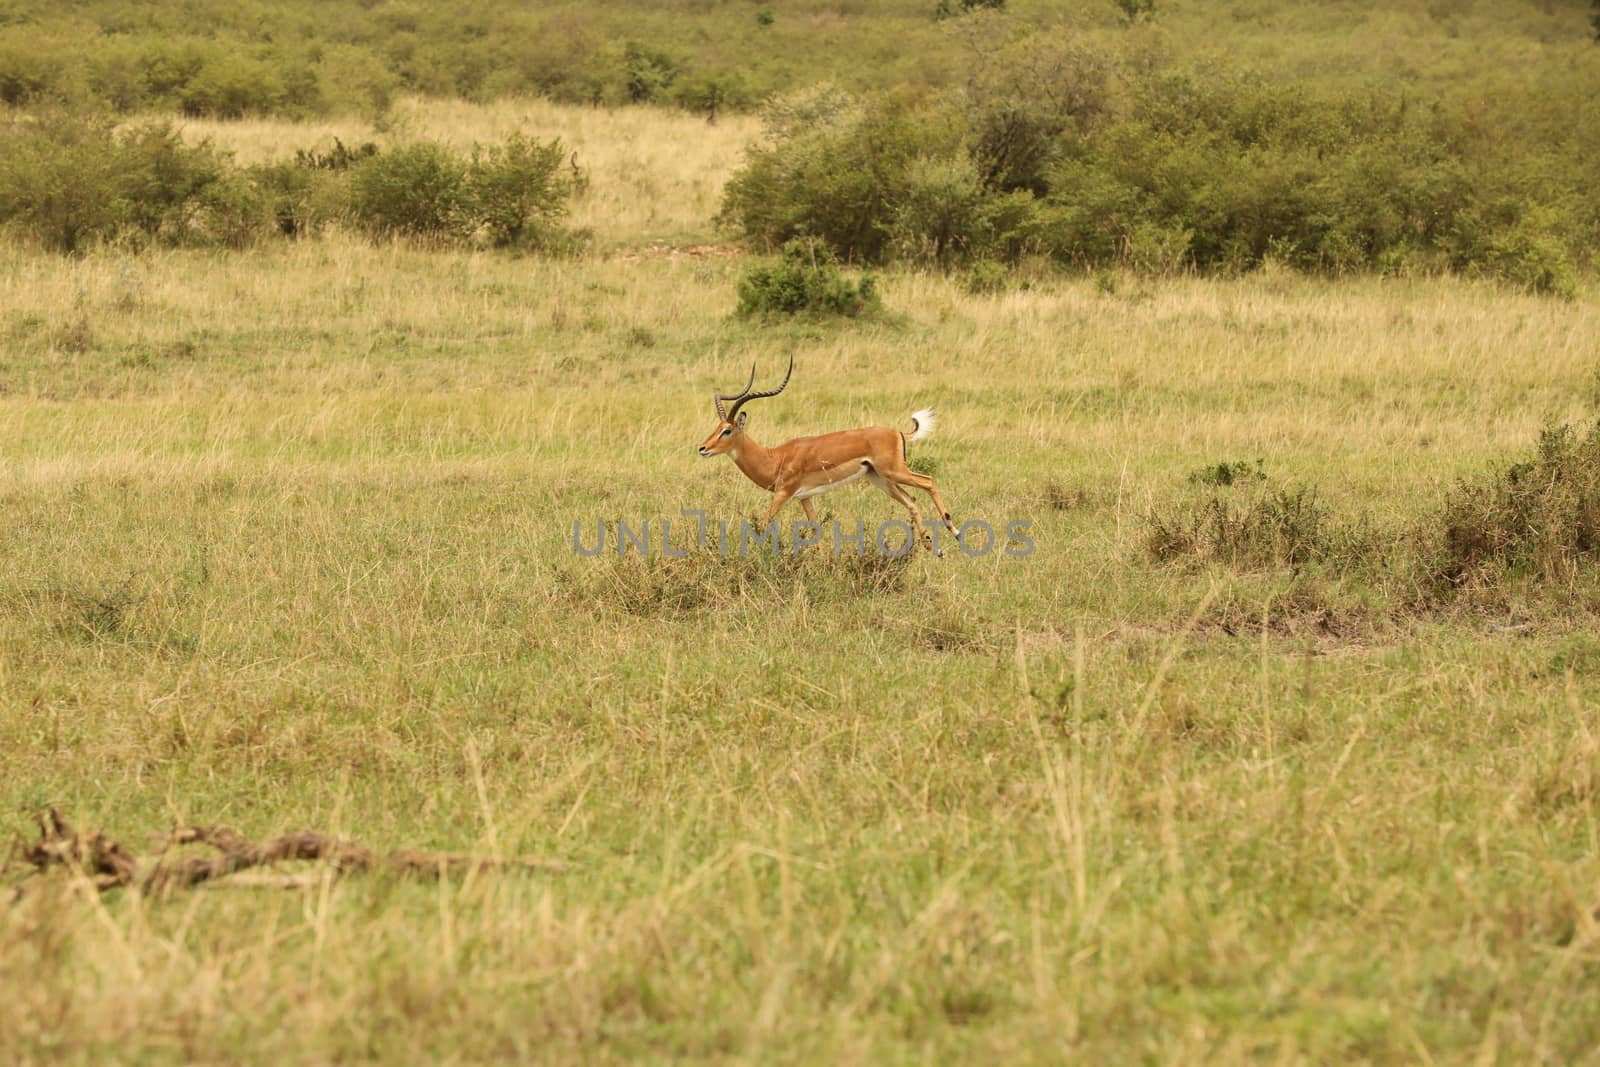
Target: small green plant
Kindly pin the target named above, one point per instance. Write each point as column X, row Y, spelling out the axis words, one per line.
column 1224, row 474
column 764, row 17
column 987, row 278
column 806, row 280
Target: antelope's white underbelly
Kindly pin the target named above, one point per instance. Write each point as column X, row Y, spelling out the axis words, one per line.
column 818, row 490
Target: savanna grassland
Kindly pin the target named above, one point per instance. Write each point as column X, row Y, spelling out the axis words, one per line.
column 1279, row 747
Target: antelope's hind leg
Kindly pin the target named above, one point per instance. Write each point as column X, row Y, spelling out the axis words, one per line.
column 811, row 516
column 907, row 476
column 900, row 496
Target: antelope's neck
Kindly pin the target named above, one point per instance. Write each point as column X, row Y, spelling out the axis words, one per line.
column 758, row 463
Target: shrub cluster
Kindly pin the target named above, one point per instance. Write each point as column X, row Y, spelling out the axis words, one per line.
column 805, row 280
column 508, row 194
column 1048, row 150
column 195, row 75
column 67, row 182
column 70, row 182
column 1286, row 528
column 1533, row 523
column 1538, row 518
column 304, row 59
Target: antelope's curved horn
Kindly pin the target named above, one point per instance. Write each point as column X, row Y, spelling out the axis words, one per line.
column 748, row 396
column 740, row 396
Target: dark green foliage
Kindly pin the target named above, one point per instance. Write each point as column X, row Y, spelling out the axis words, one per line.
column 1519, row 245
column 648, row 72
column 1164, row 170
column 1224, row 474
column 509, row 194
column 230, row 86
column 298, row 198
column 515, row 191
column 1022, row 99
column 1538, row 518
column 836, row 170
column 66, row 182
column 417, row 190
column 27, row 74
column 986, row 278
column 806, row 279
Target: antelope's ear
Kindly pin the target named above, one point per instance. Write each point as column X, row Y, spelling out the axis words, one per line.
column 742, row 416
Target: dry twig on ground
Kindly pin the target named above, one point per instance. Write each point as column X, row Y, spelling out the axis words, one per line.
column 108, row 865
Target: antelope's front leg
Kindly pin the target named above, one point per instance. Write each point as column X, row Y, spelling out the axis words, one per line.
column 780, row 497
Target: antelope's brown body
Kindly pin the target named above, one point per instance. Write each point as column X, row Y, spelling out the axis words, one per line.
column 809, row 466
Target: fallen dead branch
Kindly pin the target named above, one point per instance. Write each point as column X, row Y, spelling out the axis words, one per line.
column 108, row 865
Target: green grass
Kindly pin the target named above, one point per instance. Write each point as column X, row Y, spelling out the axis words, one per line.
column 288, row 545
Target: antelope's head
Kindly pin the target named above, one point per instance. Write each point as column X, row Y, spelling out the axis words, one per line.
column 730, row 420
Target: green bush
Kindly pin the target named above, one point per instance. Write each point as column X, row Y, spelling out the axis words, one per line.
column 515, row 191
column 805, row 280
column 987, row 278
column 835, row 170
column 304, row 195
column 67, row 182
column 713, row 93
column 417, row 190
column 162, row 179
column 510, row 194
column 28, row 74
column 1041, row 153
column 937, row 216
column 648, row 72
column 231, row 86
column 234, row 211
column 1023, row 99
column 1516, row 244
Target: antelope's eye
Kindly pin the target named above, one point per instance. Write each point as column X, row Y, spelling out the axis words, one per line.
column 727, row 431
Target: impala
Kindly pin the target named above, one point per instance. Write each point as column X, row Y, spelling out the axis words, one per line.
column 810, row 466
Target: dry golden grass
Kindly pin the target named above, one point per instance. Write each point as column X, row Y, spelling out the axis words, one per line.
column 288, row 544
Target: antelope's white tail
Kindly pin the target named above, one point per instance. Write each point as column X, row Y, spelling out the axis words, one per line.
column 922, row 424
